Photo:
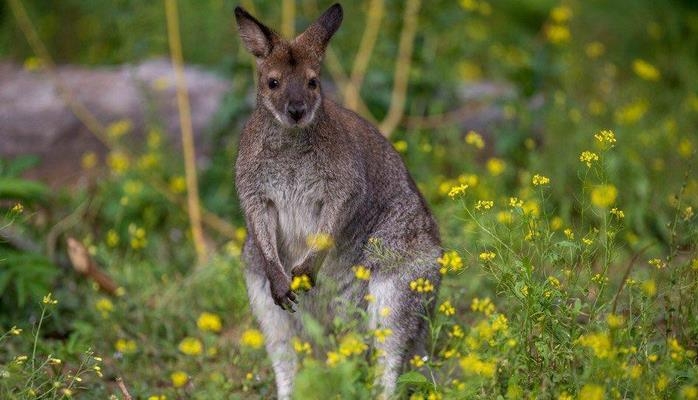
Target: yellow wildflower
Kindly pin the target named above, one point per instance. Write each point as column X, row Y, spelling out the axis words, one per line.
column 457, row 191
column 447, row 308
column 657, row 263
column 588, row 157
column 487, row 256
column 557, row 34
column 689, row 392
column 515, row 202
column 370, row 298
column 599, row 343
column 351, row 344
column 417, row 361
column 126, row 346
column 645, row 70
column 48, row 300
column 685, row 148
column 496, row 166
column 362, row 273
column 594, row 49
column 301, row 283
column 381, row 334
column 252, row 338
column 190, row 346
column 474, row 139
column 450, row 261
column 319, row 241
column 591, row 391
column 662, row 382
column 301, row 347
column 632, row 112
column 14, row 331
column 118, row 129
column 618, row 213
column 89, row 160
column 473, row 365
column 505, row 217
column 603, row 195
column 456, row 332
column 104, row 306
column 540, row 180
column 421, row 285
column 112, row 239
column 179, row 378
column 178, row 184
column 615, row 321
column 137, row 234
column 400, row 146
column 484, row 204
column 606, row 138
column 334, row 358
column 484, row 306
column 649, row 287
column 209, row 322
column 33, row 64
column 560, row 14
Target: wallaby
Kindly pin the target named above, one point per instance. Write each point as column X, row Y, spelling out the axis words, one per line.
column 307, row 166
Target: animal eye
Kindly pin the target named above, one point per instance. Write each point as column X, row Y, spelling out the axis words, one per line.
column 312, row 83
column 273, row 83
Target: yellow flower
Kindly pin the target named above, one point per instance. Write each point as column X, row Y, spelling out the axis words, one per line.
column 657, row 263
column 48, row 300
column 588, row 157
column 301, row 347
column 112, row 239
column 599, row 343
column 484, row 204
column 450, row 261
column 662, row 382
column 446, row 308
column 190, row 346
column 417, row 361
column 301, row 283
column 618, row 213
column 421, row 285
column 473, row 365
column 33, row 64
column 118, row 129
column 252, row 338
column 615, row 321
column 457, row 191
column 14, row 331
column 560, row 14
column 649, row 287
column 126, row 346
column 685, row 148
column 603, row 195
column 594, row 49
column 104, row 306
column 138, row 239
column 645, row 70
column 487, row 256
column 484, row 306
column 515, row 202
column 557, row 34
column 179, row 378
column 157, row 397
column 539, row 180
column 400, row 146
column 178, row 184
column 505, row 217
column 632, row 112
column 18, row 208
column 382, row 334
column 89, row 160
column 689, row 392
column 456, row 332
column 370, row 298
column 209, row 322
column 474, row 139
column 351, row 344
column 362, row 273
column 591, row 391
column 319, row 241
column 606, row 138
column 496, row 166
column 118, row 162
column 334, row 358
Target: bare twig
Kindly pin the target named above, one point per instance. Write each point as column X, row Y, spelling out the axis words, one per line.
column 193, row 203
column 402, row 68
column 85, row 265
column 363, row 55
column 123, row 389
column 288, row 18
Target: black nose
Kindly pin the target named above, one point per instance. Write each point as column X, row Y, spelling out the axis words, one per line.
column 296, row 109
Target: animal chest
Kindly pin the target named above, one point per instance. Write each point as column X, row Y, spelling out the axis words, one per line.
column 295, row 189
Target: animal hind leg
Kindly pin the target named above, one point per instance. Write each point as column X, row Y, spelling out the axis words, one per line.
column 278, row 326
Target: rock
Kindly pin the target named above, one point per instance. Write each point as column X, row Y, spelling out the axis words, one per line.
column 34, row 118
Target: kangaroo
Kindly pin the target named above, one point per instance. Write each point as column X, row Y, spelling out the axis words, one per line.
column 306, row 166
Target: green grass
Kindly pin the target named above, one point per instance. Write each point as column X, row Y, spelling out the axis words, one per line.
column 564, row 280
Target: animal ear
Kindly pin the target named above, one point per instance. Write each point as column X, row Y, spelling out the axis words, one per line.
column 319, row 33
column 257, row 37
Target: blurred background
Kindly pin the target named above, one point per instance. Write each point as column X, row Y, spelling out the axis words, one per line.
column 484, row 93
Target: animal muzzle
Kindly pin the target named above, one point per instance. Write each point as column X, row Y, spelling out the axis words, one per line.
column 296, row 110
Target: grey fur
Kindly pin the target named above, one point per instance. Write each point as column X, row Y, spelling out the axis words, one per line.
column 308, row 166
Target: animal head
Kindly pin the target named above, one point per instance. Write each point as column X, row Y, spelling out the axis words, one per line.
column 289, row 71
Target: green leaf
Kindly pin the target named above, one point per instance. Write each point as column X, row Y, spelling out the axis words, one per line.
column 22, row 189
column 412, row 378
